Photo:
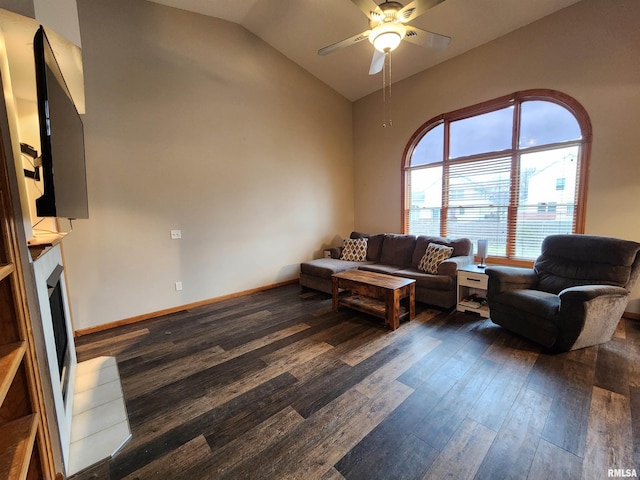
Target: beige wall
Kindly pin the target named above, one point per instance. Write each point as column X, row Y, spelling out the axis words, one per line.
column 193, row 123
column 60, row 16
column 589, row 51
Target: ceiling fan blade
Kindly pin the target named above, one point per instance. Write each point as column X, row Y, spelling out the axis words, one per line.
column 415, row 9
column 426, row 39
column 377, row 62
column 344, row 43
column 366, row 6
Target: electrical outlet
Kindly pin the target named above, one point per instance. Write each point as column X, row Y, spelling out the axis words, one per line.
column 178, row 286
column 176, row 234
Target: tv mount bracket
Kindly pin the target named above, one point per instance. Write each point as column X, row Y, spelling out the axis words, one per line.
column 33, row 153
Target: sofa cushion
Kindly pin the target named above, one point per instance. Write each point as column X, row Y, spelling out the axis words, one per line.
column 355, row 250
column 325, row 267
column 427, row 280
column 398, row 249
column 461, row 247
column 433, row 257
column 380, row 268
column 374, row 247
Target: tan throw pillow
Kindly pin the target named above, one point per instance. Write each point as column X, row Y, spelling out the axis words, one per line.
column 355, row 250
column 433, row 257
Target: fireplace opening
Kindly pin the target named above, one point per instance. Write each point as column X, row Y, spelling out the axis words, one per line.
column 60, row 333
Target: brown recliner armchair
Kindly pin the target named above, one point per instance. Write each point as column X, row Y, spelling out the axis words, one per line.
column 573, row 297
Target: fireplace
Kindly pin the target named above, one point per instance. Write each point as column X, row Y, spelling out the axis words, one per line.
column 99, row 427
column 56, row 332
column 60, row 331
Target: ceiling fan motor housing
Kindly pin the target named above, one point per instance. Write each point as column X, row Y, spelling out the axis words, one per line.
column 386, row 30
column 388, row 13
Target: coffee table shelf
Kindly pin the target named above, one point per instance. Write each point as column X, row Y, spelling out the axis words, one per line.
column 371, row 306
column 385, row 296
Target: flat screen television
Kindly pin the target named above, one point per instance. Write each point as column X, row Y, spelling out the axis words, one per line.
column 61, row 139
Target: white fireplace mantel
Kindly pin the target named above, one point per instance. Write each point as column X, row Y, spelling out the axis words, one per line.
column 43, row 266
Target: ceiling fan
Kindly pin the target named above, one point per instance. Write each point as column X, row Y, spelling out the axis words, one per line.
column 388, row 27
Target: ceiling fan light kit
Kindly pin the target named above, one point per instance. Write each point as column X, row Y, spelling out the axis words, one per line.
column 387, row 37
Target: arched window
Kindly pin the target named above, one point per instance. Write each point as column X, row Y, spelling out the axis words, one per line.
column 512, row 171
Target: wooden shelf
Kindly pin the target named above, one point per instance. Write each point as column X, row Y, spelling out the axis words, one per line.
column 47, row 239
column 370, row 306
column 16, row 446
column 10, row 358
column 6, row 270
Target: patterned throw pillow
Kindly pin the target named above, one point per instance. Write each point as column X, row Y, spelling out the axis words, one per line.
column 355, row 250
column 433, row 257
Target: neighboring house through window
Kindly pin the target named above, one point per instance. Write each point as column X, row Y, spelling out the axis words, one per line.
column 512, row 170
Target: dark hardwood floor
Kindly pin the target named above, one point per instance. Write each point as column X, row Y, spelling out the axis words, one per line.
column 276, row 386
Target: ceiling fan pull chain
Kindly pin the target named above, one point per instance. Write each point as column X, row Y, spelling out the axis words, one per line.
column 386, row 90
column 389, row 90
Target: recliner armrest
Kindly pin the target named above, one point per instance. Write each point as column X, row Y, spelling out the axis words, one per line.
column 584, row 293
column 589, row 314
column 503, row 279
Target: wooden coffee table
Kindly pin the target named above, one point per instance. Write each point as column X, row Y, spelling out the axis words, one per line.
column 376, row 294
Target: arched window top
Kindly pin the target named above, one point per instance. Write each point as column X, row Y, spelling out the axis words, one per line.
column 543, row 122
column 521, row 120
column 430, row 148
column 511, row 171
column 486, row 132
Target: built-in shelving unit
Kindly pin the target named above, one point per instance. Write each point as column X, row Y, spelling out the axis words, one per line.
column 25, row 446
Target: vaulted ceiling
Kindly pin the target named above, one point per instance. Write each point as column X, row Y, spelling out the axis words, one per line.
column 298, row 28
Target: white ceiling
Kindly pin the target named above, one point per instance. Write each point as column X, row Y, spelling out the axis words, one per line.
column 298, row 28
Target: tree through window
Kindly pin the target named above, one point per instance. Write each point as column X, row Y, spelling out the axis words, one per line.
column 511, row 170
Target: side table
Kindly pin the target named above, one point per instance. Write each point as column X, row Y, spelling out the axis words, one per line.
column 472, row 290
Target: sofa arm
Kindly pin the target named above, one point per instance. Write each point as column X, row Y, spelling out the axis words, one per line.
column 503, row 279
column 451, row 265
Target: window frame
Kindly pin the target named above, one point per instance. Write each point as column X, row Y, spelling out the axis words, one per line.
column 514, row 99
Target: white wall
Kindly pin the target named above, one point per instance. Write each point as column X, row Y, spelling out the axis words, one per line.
column 589, row 51
column 193, row 123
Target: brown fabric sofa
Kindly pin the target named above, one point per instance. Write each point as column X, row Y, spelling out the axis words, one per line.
column 398, row 255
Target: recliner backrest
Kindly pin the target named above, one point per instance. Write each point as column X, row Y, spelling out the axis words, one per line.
column 573, row 260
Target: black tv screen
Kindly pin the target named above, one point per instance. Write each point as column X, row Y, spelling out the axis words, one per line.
column 61, row 139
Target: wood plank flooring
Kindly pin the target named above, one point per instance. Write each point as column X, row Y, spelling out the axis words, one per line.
column 275, row 385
